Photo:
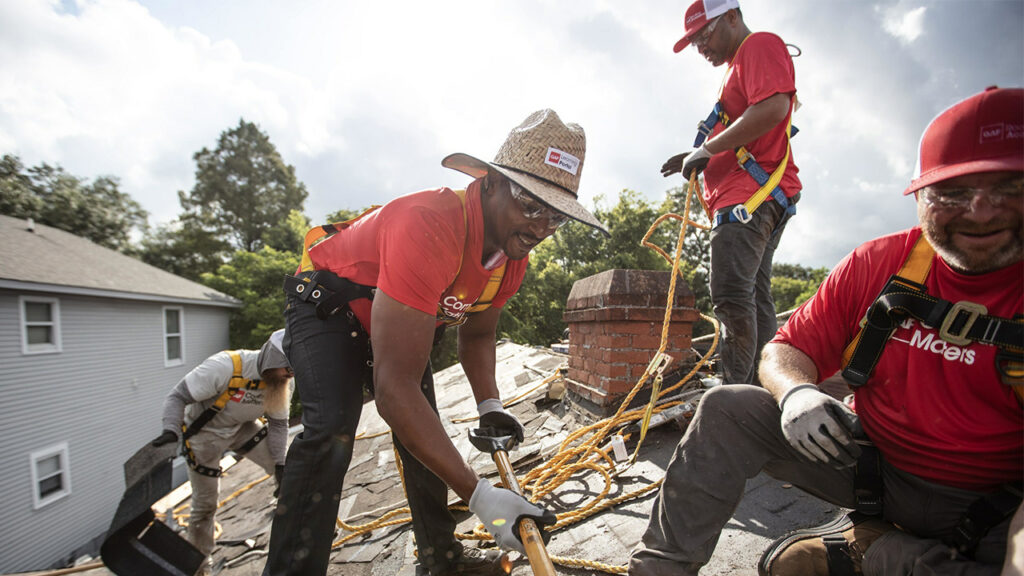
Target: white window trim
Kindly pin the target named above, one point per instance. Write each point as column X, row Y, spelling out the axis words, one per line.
column 181, row 335
column 50, row 348
column 65, row 470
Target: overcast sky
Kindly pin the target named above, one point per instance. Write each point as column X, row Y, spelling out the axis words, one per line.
column 364, row 98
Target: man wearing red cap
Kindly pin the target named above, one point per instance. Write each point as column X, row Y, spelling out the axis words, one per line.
column 930, row 451
column 751, row 183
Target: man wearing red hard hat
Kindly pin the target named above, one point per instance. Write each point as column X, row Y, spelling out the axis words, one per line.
column 750, row 177
column 926, row 326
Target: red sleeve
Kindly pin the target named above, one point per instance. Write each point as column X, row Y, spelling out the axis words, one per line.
column 824, row 325
column 765, row 69
column 420, row 253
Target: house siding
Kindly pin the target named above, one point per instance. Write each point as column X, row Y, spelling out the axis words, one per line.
column 102, row 394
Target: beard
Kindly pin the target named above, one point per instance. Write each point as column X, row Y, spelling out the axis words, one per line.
column 277, row 396
column 969, row 261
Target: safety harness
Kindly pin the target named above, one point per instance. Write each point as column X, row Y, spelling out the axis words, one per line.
column 960, row 323
column 769, row 184
column 330, row 293
column 237, row 384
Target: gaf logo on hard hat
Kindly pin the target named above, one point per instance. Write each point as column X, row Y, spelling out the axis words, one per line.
column 563, row 160
column 991, row 133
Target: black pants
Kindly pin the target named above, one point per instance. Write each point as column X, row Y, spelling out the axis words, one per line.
column 332, row 363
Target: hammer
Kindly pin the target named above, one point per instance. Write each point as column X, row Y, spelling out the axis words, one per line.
column 533, row 542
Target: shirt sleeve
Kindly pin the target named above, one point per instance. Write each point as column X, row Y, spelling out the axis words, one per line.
column 211, row 378
column 766, row 69
column 420, row 254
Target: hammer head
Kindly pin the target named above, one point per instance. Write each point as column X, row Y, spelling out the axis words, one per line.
column 488, row 440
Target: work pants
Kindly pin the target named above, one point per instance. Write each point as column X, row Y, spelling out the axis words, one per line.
column 332, row 363
column 735, row 434
column 208, row 448
column 741, row 288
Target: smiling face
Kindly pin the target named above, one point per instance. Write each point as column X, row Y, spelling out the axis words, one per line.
column 974, row 222
column 507, row 226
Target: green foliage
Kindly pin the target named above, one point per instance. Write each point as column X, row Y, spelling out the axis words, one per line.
column 289, row 234
column 98, row 210
column 243, row 188
column 255, row 279
column 793, row 284
column 183, row 248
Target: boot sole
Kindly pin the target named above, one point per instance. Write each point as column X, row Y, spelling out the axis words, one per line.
column 839, row 524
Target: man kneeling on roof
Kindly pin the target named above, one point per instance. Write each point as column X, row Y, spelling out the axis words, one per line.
column 930, row 452
column 216, row 408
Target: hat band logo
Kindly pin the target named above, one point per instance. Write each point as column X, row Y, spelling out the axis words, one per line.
column 692, row 18
column 562, row 160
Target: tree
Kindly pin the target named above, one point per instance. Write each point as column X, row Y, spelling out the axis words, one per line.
column 184, row 248
column 255, row 278
column 49, row 195
column 793, row 284
column 243, row 188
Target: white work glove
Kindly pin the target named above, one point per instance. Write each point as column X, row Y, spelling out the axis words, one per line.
column 819, row 426
column 500, row 421
column 501, row 511
column 696, row 160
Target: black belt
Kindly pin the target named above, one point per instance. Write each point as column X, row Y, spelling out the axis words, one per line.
column 326, row 290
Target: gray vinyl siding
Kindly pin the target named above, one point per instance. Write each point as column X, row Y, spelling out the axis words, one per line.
column 102, row 395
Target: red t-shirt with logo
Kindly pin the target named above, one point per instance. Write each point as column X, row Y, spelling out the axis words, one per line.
column 761, row 67
column 413, row 248
column 934, row 409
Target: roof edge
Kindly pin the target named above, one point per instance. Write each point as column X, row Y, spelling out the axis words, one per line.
column 226, row 302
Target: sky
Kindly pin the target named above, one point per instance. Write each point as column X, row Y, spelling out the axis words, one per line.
column 364, row 99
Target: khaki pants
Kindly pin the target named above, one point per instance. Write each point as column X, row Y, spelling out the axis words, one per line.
column 208, row 448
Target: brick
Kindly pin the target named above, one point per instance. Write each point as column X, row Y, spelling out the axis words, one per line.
column 641, row 342
column 642, row 328
column 629, row 356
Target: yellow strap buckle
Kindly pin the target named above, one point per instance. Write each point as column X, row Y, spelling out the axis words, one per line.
column 973, row 310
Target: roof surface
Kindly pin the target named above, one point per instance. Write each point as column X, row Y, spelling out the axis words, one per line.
column 372, row 487
column 59, row 259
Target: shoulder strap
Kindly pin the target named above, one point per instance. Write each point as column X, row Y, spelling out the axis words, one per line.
column 237, row 383
column 318, row 234
column 493, row 283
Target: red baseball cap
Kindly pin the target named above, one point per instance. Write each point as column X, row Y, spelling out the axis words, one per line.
column 984, row 133
column 699, row 14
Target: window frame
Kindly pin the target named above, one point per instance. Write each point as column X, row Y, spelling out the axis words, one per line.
column 54, row 347
column 60, row 450
column 168, row 362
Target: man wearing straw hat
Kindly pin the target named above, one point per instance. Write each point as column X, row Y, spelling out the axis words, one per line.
column 364, row 309
column 928, row 327
column 751, row 183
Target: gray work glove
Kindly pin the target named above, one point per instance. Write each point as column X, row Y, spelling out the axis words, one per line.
column 165, row 437
column 696, row 160
column 501, row 511
column 820, row 427
column 499, row 421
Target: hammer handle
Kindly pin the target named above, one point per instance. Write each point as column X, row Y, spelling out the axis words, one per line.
column 533, row 542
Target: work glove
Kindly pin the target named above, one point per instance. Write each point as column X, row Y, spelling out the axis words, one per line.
column 820, row 427
column 501, row 422
column 502, row 510
column 686, row 162
column 278, row 476
column 165, row 437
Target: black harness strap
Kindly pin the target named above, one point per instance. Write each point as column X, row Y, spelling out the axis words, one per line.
column 984, row 514
column 867, row 480
column 327, row 291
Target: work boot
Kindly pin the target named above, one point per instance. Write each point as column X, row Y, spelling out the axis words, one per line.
column 835, row 548
column 476, row 562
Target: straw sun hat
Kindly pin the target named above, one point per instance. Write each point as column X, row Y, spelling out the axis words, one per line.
column 545, row 157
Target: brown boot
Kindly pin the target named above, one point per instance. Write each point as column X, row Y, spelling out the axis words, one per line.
column 833, row 549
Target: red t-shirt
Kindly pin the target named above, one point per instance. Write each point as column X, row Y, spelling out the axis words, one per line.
column 934, row 409
column 413, row 248
column 762, row 67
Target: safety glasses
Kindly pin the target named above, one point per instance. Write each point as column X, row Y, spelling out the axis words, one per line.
column 704, row 35
column 961, row 197
column 532, row 209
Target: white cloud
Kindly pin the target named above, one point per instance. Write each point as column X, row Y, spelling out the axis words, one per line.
column 905, row 25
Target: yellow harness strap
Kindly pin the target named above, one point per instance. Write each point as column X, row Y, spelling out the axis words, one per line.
column 762, row 193
column 490, row 290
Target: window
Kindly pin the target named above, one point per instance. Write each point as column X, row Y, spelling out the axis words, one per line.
column 174, row 336
column 51, row 475
column 40, row 325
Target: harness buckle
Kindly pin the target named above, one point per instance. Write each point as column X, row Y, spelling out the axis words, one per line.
column 973, row 310
column 739, row 212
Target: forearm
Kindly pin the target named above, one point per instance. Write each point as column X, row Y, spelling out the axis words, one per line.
column 277, row 439
column 755, row 122
column 174, row 407
column 783, row 368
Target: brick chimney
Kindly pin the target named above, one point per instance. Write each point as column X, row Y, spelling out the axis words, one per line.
column 615, row 320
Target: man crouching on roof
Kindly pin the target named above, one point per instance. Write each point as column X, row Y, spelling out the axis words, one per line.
column 364, row 310
column 937, row 405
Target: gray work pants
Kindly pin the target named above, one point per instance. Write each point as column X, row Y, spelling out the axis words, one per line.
column 741, row 288
column 735, row 434
column 208, row 448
